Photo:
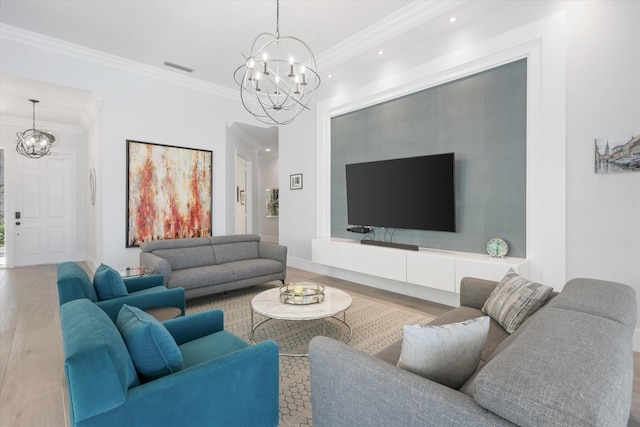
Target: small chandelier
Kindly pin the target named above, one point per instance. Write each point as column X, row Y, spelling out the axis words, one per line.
column 34, row 143
column 278, row 77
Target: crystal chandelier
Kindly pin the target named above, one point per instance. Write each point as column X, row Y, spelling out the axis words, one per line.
column 278, row 77
column 34, row 143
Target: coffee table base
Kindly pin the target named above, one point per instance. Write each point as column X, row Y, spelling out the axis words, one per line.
column 343, row 321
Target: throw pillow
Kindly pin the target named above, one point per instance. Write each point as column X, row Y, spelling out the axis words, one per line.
column 108, row 283
column 152, row 348
column 448, row 354
column 515, row 299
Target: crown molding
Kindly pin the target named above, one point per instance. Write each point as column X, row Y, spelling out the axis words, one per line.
column 70, row 49
column 411, row 16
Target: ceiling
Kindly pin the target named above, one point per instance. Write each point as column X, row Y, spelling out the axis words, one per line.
column 209, row 36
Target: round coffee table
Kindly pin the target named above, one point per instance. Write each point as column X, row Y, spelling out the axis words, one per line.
column 268, row 304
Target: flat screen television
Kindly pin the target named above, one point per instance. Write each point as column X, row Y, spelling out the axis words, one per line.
column 416, row 193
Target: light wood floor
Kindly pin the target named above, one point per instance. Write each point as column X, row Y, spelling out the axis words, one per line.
column 32, row 382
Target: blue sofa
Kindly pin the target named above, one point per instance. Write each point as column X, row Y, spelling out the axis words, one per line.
column 224, row 380
column 144, row 292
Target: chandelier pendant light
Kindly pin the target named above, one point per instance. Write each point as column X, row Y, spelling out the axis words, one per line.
column 34, row 143
column 278, row 77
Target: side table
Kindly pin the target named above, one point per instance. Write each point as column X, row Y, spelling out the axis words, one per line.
column 164, row 313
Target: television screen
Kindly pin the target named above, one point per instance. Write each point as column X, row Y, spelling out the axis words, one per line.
column 411, row 193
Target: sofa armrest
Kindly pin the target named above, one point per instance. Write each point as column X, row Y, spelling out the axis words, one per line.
column 238, row 389
column 474, row 292
column 161, row 265
column 143, row 300
column 194, row 326
column 273, row 251
column 350, row 387
column 135, row 284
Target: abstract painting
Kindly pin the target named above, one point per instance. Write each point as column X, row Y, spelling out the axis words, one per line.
column 168, row 192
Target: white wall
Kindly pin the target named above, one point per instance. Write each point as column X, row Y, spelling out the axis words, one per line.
column 136, row 105
column 601, row 236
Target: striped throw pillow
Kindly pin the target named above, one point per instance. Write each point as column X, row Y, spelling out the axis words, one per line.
column 515, row 299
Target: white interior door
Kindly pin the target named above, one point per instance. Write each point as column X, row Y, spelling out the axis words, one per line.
column 42, row 214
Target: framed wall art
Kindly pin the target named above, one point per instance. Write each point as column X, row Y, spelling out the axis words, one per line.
column 615, row 154
column 273, row 202
column 168, row 192
column 295, row 181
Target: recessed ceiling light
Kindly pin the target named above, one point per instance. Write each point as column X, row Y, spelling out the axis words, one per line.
column 380, row 52
column 452, row 19
column 268, row 149
column 330, row 76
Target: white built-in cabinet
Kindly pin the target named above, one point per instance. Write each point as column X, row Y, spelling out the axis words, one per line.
column 433, row 268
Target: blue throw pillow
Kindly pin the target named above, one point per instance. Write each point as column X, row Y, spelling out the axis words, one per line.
column 109, row 283
column 152, row 348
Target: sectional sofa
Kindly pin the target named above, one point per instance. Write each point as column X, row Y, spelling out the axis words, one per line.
column 568, row 364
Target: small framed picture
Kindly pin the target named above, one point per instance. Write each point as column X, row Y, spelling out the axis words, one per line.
column 296, row 181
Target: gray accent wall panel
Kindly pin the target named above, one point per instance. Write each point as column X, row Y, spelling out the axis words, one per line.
column 482, row 119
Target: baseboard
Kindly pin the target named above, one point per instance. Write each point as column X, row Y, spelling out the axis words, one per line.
column 302, row 264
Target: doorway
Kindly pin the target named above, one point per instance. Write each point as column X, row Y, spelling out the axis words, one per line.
column 41, row 226
column 242, row 195
column 255, row 151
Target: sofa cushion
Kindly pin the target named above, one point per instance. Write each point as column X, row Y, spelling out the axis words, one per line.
column 108, row 283
column 229, row 252
column 74, row 283
column 564, row 368
column 198, row 277
column 610, row 300
column 496, row 336
column 253, row 268
column 152, row 348
column 210, row 347
column 154, row 245
column 448, row 354
column 514, row 300
column 181, row 258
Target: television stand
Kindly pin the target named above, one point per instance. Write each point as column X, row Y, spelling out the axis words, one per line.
column 390, row 245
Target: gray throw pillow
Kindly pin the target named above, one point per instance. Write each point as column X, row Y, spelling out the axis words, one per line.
column 447, row 354
column 514, row 299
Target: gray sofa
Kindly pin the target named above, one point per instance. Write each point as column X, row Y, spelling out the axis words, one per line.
column 204, row 266
column 569, row 364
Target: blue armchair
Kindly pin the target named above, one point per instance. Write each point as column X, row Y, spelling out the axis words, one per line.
column 143, row 292
column 224, row 381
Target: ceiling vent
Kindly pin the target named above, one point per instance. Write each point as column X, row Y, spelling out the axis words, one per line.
column 178, row 66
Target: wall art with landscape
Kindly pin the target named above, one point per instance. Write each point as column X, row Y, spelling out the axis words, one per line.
column 168, row 192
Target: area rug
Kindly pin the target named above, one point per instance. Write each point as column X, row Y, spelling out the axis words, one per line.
column 374, row 325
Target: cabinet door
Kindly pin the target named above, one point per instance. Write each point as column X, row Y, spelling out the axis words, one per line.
column 353, row 257
column 431, row 270
column 324, row 252
column 388, row 263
